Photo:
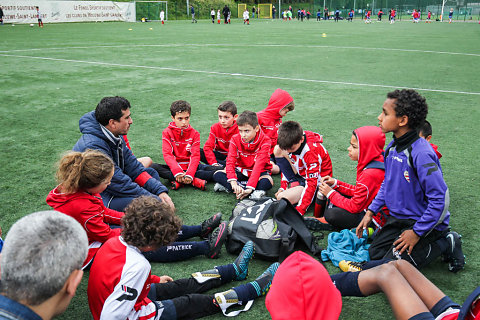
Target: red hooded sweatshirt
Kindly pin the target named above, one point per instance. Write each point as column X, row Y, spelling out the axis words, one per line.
column 302, row 290
column 270, row 119
column 181, row 149
column 218, row 140
column 371, row 141
column 250, row 158
column 89, row 211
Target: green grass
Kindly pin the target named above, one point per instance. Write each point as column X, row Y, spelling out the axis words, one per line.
column 50, row 77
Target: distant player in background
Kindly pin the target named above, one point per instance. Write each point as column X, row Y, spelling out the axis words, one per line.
column 350, row 15
column 218, row 16
column 229, row 15
column 380, row 13
column 319, row 15
column 337, row 15
column 325, row 13
column 450, row 15
column 162, row 16
column 429, row 17
column 1, row 16
column 392, row 16
column 368, row 16
column 273, row 12
column 246, row 18
column 212, row 14
column 192, row 11
column 40, row 22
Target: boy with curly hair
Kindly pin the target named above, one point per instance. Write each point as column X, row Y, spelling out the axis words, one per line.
column 414, row 191
column 121, row 285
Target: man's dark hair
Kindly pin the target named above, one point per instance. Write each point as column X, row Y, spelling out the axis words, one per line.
column 149, row 222
column 289, row 133
column 228, row 106
column 411, row 104
column 248, row 117
column 180, row 106
column 425, row 129
column 111, row 108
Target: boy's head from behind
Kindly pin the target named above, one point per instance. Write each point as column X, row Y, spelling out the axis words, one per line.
column 248, row 125
column 227, row 114
column 403, row 110
column 290, row 136
column 180, row 111
column 149, row 223
column 425, row 131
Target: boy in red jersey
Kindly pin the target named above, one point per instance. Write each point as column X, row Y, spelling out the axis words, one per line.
column 303, row 160
column 248, row 167
column 121, row 285
column 181, row 151
column 392, row 16
column 425, row 132
column 270, row 119
column 215, row 150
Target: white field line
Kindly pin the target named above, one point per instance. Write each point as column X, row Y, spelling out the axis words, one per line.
column 246, row 45
column 237, row 74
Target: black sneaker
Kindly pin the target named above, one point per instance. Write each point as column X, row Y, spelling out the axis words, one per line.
column 216, row 240
column 454, row 255
column 318, row 224
column 210, row 224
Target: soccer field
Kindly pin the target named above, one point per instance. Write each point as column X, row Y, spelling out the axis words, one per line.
column 338, row 74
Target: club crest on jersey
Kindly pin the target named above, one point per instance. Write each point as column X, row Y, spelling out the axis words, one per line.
column 407, row 176
column 188, row 147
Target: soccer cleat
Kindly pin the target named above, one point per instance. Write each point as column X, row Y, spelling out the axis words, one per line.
column 257, row 194
column 219, row 188
column 264, row 281
column 199, row 183
column 216, row 240
column 351, row 266
column 241, row 263
column 210, row 224
column 454, row 255
column 318, row 224
column 176, row 185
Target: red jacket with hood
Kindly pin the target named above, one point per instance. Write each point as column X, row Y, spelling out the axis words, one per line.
column 270, row 119
column 250, row 158
column 89, row 211
column 371, row 141
column 218, row 140
column 302, row 290
column 181, row 149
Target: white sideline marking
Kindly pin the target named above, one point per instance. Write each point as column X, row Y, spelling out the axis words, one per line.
column 239, row 74
column 246, row 45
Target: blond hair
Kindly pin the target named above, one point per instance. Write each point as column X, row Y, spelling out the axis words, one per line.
column 83, row 170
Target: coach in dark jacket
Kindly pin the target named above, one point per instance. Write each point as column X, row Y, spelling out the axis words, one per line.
column 103, row 130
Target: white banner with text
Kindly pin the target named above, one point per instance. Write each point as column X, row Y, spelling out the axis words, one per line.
column 25, row 11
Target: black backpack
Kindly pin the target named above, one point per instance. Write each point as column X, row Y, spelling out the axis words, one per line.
column 274, row 226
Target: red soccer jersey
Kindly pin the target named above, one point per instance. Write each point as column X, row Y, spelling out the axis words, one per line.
column 181, row 149
column 311, row 161
column 89, row 211
column 250, row 158
column 119, row 282
column 270, row 119
column 218, row 140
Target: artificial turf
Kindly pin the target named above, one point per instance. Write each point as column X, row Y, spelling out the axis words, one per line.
column 338, row 74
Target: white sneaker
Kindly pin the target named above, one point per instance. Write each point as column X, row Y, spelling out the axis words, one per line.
column 219, row 188
column 257, row 194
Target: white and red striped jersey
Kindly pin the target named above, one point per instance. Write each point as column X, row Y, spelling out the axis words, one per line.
column 311, row 161
column 119, row 281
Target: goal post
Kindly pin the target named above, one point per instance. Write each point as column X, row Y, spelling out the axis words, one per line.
column 241, row 9
column 265, row 10
column 150, row 10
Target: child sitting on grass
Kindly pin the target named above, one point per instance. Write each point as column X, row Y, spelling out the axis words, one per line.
column 121, row 285
column 414, row 191
column 82, row 176
column 302, row 160
column 248, row 167
column 270, row 119
column 215, row 150
column 181, row 151
column 349, row 202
